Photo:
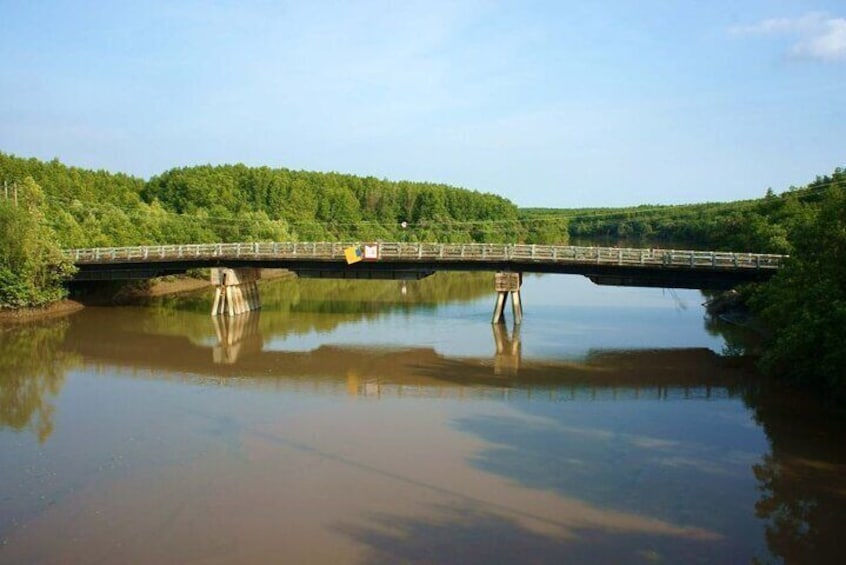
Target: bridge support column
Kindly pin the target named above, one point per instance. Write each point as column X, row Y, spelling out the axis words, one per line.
column 236, row 291
column 508, row 283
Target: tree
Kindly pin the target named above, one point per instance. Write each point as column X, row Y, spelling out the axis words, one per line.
column 32, row 266
column 805, row 303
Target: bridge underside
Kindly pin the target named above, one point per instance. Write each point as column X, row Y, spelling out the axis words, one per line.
column 667, row 277
column 234, row 296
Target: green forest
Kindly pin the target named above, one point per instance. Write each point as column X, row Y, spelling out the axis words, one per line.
column 760, row 226
column 228, row 203
column 48, row 206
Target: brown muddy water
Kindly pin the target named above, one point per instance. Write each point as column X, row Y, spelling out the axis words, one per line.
column 382, row 422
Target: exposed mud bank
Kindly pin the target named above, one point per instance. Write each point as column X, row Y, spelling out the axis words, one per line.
column 53, row 310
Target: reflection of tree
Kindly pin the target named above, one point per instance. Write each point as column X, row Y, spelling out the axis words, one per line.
column 320, row 305
column 32, row 369
column 475, row 532
column 739, row 340
column 803, row 479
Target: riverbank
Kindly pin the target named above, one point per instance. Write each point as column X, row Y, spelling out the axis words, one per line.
column 732, row 308
column 53, row 310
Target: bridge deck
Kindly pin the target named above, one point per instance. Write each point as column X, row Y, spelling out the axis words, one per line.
column 611, row 265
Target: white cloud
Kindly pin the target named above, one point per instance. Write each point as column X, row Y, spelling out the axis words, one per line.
column 803, row 24
column 815, row 35
column 829, row 44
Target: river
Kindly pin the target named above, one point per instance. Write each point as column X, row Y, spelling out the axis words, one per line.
column 383, row 422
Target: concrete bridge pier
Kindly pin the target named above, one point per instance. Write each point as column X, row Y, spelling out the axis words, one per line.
column 506, row 283
column 236, row 291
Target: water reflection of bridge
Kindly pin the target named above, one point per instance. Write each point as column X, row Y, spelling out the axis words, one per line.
column 239, row 360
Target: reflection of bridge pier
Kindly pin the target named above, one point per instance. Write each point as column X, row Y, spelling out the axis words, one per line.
column 509, row 350
column 236, row 335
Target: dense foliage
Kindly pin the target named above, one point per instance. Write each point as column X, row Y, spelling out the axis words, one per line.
column 32, row 266
column 805, row 304
column 320, row 206
column 239, row 203
column 759, row 226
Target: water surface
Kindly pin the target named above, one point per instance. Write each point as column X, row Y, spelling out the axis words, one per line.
column 377, row 421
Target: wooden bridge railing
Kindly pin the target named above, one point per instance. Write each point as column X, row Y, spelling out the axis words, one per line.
column 431, row 252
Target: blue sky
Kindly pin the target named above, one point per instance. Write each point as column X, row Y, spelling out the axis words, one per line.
column 547, row 103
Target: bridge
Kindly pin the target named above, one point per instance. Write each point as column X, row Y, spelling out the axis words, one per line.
column 235, row 265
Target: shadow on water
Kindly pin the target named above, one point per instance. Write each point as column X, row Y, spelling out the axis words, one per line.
column 795, row 486
column 472, row 534
column 32, row 373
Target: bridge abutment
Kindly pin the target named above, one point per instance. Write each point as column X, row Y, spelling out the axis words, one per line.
column 236, row 291
column 508, row 283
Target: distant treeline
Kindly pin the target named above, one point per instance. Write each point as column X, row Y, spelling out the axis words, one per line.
column 238, row 203
column 762, row 225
